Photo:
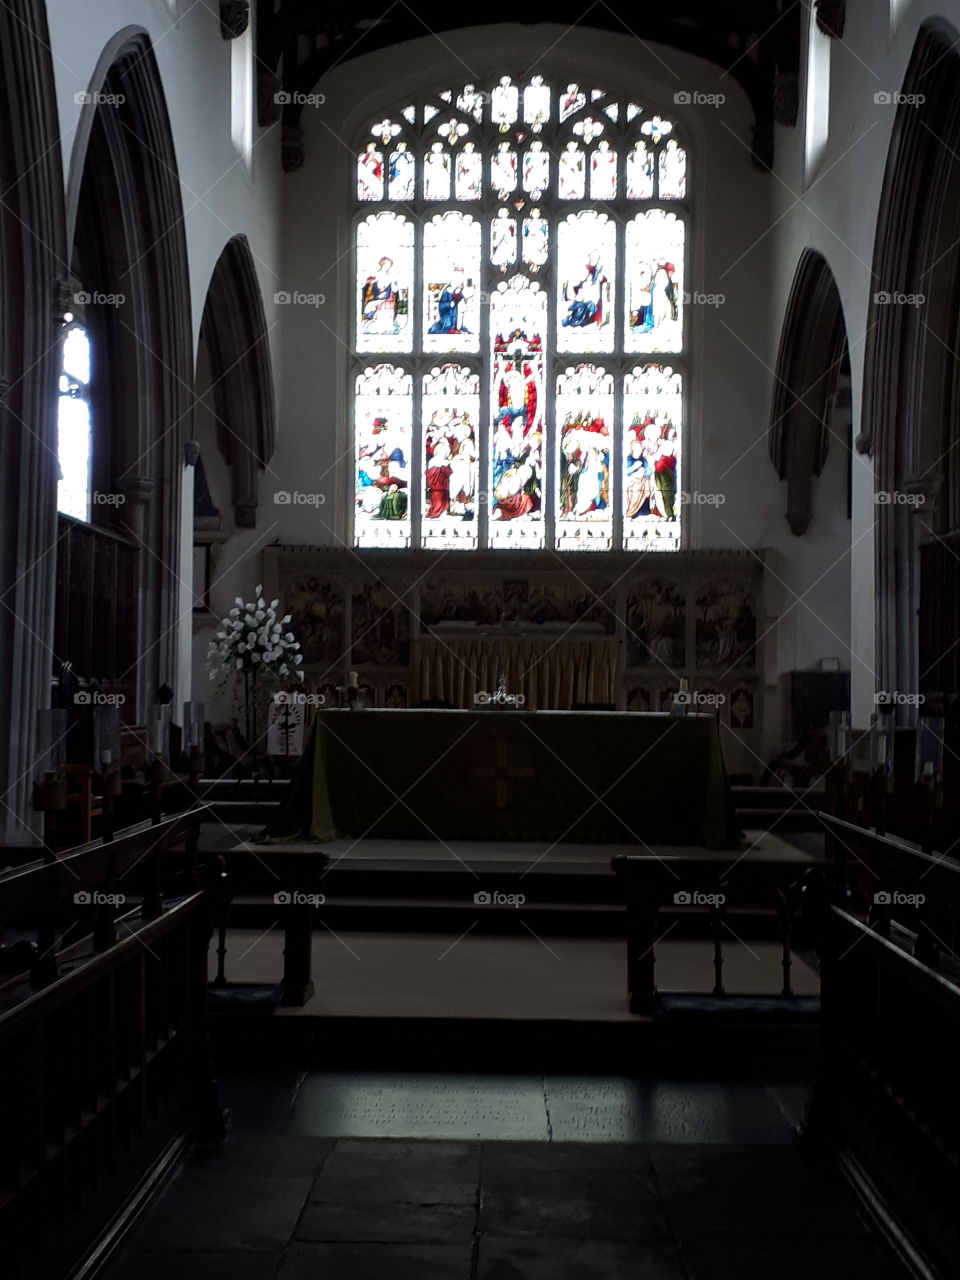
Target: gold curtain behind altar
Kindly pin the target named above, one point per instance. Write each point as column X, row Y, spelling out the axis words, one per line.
column 552, row 673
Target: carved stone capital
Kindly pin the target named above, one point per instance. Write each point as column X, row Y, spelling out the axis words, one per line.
column 137, row 489
column 291, row 148
column 832, row 17
column 234, row 17
column 245, row 515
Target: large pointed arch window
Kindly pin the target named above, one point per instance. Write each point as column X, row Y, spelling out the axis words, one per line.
column 520, row 256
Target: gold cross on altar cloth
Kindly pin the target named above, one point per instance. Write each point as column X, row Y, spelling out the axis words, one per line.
column 501, row 774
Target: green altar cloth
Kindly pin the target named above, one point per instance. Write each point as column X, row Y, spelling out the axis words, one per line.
column 582, row 777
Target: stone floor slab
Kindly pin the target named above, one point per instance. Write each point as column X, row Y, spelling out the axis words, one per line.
column 504, row 1258
column 387, row 1223
column 580, row 1204
column 375, row 1262
column 564, row 1157
column 204, row 1213
column 622, row 1110
column 424, row 1106
column 233, row 1265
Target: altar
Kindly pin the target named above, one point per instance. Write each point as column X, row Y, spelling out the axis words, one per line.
column 597, row 777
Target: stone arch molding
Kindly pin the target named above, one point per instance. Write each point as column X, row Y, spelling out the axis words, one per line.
column 234, row 328
column 811, row 382
column 911, row 394
column 126, row 226
column 33, row 274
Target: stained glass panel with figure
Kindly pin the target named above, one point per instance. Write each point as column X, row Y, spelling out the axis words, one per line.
column 451, row 277
column 384, row 283
column 503, row 240
column 673, row 171
column 469, row 178
column 585, row 420
column 402, row 180
column 652, row 421
column 518, row 322
column 450, row 411
column 653, row 261
column 586, row 269
column 383, row 422
column 572, row 173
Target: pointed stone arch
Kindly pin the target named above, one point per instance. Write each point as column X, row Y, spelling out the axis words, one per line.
column 812, row 378
column 33, row 274
column 128, row 241
column 911, row 396
column 234, row 329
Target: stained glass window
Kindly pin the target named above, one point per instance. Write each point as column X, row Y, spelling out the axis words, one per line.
column 520, row 257
column 73, row 425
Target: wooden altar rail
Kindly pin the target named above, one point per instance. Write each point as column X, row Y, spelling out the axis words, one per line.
column 895, row 882
column 100, row 1072
column 42, row 891
column 886, row 1103
column 651, row 881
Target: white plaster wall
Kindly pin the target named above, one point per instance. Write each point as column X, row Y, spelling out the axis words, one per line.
column 221, row 195
column 836, row 213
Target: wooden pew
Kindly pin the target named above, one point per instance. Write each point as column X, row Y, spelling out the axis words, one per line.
column 754, row 878
column 294, row 879
column 886, row 1108
column 92, row 875
column 104, row 1056
column 896, row 884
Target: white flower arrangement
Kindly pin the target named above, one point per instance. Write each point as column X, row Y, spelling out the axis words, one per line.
column 252, row 638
